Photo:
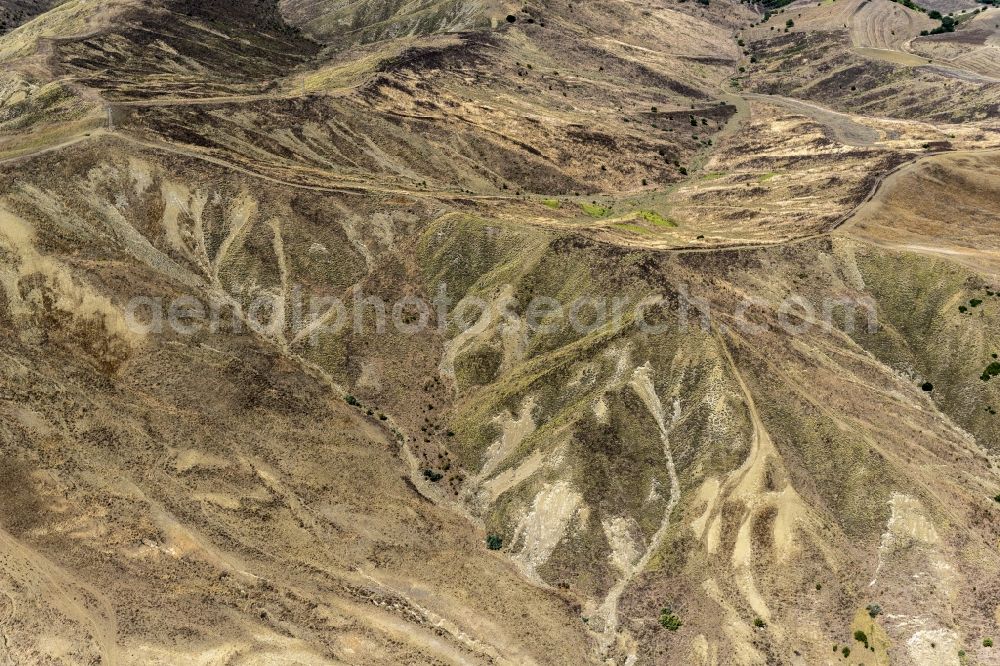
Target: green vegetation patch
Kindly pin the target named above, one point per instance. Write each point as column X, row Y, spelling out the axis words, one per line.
column 656, row 219
column 595, row 210
column 554, row 204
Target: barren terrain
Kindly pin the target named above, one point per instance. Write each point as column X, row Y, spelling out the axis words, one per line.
column 802, row 456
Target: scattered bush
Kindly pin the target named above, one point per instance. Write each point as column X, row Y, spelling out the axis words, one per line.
column 861, row 637
column 759, row 623
column 874, row 610
column 846, row 652
column 352, row 401
column 928, row 387
column 987, row 642
column 494, row 541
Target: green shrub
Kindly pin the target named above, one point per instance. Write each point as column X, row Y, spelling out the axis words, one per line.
column 992, row 370
column 668, row 620
column 759, row 623
column 846, row 652
column 874, row 610
column 861, row 637
column 494, row 541
column 352, row 401
column 987, row 642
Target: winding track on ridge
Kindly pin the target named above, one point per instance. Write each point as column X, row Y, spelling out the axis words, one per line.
column 356, row 189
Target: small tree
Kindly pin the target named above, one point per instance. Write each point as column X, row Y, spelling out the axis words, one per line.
column 494, row 541
column 789, row 23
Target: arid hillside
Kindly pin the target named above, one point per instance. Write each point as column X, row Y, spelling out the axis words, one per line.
column 482, row 333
